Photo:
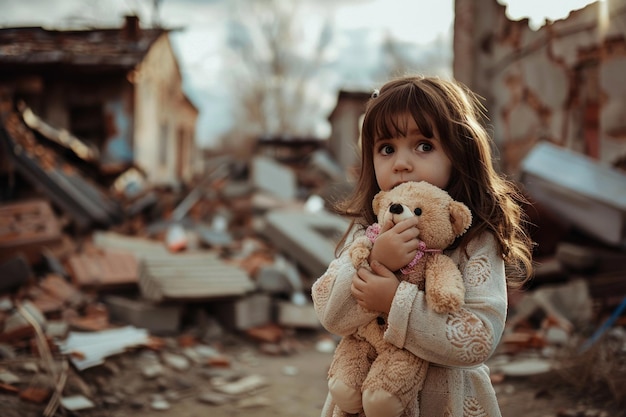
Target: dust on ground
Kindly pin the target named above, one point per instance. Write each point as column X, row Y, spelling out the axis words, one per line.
column 293, row 385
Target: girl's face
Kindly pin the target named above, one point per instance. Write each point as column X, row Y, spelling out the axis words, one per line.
column 413, row 157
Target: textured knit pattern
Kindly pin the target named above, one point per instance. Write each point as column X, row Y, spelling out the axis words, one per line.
column 456, row 345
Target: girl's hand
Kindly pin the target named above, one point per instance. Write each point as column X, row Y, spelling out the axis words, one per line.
column 396, row 245
column 375, row 290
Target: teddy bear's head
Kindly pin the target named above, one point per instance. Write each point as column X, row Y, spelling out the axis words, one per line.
column 441, row 219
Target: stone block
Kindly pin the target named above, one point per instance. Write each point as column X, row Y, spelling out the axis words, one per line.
column 243, row 313
column 156, row 318
column 293, row 315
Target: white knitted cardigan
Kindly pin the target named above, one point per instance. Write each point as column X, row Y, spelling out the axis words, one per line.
column 457, row 344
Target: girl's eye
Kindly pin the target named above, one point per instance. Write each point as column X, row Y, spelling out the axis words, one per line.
column 386, row 149
column 424, row 147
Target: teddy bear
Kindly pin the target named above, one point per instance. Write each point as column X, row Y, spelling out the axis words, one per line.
column 369, row 376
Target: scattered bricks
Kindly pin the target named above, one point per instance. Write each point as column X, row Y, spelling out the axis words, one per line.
column 45, row 302
column 270, row 333
column 62, row 290
column 96, row 318
column 27, row 227
column 220, row 361
column 186, row 340
column 253, row 263
column 245, row 312
column 104, row 269
column 156, row 318
column 35, row 395
column 292, row 315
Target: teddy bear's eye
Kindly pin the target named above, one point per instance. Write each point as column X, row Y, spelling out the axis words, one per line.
column 418, row 211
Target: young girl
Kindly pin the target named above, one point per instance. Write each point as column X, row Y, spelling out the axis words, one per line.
column 428, row 129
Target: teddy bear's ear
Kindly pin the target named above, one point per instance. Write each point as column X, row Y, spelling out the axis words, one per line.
column 378, row 198
column 460, row 217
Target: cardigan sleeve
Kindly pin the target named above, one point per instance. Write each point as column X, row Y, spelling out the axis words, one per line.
column 334, row 304
column 463, row 339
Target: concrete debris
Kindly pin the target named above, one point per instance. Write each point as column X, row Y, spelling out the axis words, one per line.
column 585, row 192
column 76, row 403
column 90, row 349
column 244, row 385
column 174, row 279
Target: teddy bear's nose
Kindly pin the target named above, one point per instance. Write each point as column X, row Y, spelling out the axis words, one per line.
column 396, row 208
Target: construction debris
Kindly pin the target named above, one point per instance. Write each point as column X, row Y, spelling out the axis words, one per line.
column 157, row 281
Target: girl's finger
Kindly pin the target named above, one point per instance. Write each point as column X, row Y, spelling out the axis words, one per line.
column 382, row 270
column 387, row 225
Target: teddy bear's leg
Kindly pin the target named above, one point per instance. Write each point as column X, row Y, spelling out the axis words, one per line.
column 445, row 292
column 348, row 370
column 338, row 413
column 393, row 383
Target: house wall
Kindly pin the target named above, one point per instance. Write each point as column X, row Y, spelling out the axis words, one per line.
column 345, row 123
column 165, row 120
column 562, row 83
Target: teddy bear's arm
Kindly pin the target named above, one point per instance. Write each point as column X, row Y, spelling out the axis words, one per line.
column 360, row 252
column 461, row 339
column 445, row 292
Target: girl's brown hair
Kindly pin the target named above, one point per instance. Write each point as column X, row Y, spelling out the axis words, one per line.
column 452, row 111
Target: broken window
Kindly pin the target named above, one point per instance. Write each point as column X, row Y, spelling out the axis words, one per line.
column 87, row 123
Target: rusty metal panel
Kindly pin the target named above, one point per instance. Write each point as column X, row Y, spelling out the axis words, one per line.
column 27, row 227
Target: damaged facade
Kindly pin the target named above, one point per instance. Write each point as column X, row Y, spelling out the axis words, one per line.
column 177, row 271
column 562, row 83
column 117, row 90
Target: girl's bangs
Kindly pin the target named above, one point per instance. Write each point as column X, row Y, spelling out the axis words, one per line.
column 388, row 118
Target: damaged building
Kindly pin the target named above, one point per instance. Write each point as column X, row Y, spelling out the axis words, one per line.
column 562, row 83
column 120, row 262
column 115, row 94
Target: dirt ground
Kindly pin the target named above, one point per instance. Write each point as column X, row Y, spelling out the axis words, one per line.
column 295, row 385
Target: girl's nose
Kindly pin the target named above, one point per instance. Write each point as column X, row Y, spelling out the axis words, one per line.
column 402, row 163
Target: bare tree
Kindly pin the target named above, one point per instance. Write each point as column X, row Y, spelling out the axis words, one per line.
column 273, row 65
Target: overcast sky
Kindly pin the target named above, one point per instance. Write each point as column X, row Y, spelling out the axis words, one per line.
column 201, row 42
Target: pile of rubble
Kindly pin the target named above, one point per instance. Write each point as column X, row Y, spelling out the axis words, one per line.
column 73, row 301
column 89, row 271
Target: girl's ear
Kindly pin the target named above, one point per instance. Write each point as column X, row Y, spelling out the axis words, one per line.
column 378, row 198
column 460, row 217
